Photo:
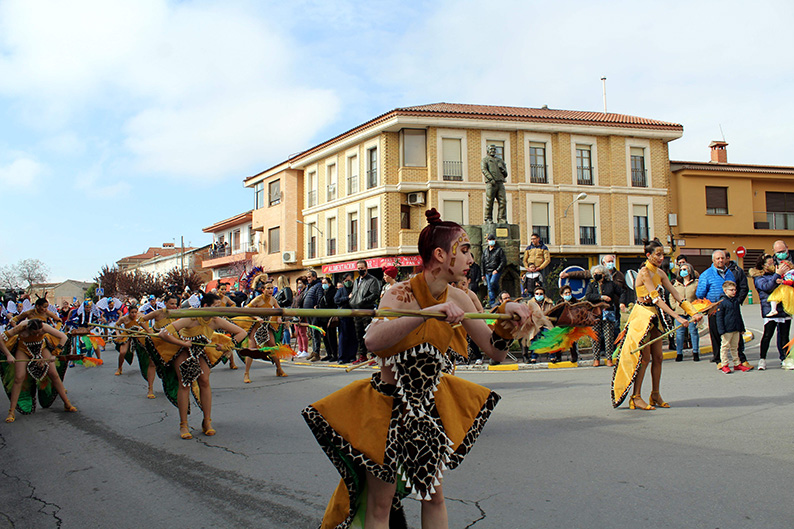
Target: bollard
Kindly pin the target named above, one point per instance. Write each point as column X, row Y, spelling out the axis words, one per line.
column 750, row 298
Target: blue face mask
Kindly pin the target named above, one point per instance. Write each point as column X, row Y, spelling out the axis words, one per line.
column 539, row 297
column 684, row 272
column 567, row 297
column 782, row 255
column 672, row 265
column 326, row 286
column 610, row 266
column 491, row 243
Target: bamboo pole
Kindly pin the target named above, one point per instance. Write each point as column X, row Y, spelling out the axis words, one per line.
column 323, row 313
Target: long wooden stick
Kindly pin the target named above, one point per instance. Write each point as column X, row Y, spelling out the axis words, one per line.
column 324, row 313
column 360, row 364
column 671, row 331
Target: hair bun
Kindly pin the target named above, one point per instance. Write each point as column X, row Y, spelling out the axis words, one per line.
column 433, row 216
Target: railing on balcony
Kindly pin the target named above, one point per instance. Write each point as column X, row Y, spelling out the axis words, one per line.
column 587, row 234
column 331, row 247
column 543, row 232
column 584, row 175
column 640, row 231
column 638, row 178
column 453, row 171
column 225, row 249
column 312, row 198
column 311, row 249
column 372, row 178
column 773, row 220
column 537, row 174
column 331, row 193
column 372, row 239
column 352, row 184
column 352, row 242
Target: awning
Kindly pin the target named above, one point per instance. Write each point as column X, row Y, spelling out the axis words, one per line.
column 375, row 262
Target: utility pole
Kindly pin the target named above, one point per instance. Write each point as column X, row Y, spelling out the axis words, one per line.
column 182, row 239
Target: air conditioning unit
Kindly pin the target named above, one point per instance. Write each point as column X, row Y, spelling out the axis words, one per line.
column 416, row 199
column 289, row 257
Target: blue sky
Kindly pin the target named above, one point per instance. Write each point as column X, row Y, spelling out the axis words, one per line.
column 127, row 124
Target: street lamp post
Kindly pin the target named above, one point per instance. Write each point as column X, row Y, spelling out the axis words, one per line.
column 580, row 196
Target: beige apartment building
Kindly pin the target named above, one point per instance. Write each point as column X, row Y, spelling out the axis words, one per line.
column 589, row 183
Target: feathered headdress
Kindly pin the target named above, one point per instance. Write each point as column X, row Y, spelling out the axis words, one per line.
column 252, row 278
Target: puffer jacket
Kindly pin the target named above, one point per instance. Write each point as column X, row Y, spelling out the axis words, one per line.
column 765, row 284
column 537, row 255
column 729, row 315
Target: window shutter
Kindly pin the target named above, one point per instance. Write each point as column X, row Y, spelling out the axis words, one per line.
column 717, row 197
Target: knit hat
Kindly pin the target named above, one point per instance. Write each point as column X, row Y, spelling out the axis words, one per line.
column 390, row 271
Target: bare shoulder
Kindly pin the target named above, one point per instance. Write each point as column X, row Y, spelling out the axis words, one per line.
column 460, row 298
column 399, row 296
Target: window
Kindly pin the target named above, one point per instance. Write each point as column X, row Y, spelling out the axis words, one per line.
column 372, row 167
column 716, row 200
column 352, row 174
column 259, row 195
column 235, row 240
column 274, row 240
column 330, row 234
column 640, row 213
column 311, row 195
column 452, row 161
column 638, row 175
column 352, row 232
column 372, row 228
column 584, row 166
column 537, row 163
column 274, row 192
column 500, row 147
column 540, row 220
column 587, row 225
column 405, row 217
column 779, row 210
column 311, row 249
column 453, row 211
column 330, row 173
column 414, row 147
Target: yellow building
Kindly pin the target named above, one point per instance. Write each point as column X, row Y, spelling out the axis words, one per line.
column 721, row 205
column 362, row 194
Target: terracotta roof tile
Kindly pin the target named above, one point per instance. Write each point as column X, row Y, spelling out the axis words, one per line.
column 676, row 166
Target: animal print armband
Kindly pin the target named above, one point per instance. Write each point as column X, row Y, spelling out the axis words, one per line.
column 5, row 336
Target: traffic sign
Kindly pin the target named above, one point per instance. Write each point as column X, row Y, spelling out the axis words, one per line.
column 100, row 292
column 578, row 286
column 741, row 251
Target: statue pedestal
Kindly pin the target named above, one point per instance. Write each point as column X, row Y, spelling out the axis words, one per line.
column 508, row 236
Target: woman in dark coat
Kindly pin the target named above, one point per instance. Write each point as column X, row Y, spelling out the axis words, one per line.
column 765, row 280
column 603, row 290
column 348, row 344
column 329, row 326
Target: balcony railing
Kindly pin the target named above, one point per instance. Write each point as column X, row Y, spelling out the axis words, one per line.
column 638, row 178
column 352, row 184
column 372, row 239
column 537, row 174
column 225, row 249
column 773, row 220
column 331, row 246
column 584, row 176
column 640, row 233
column 331, row 195
column 587, row 234
column 311, row 197
column 372, row 178
column 543, row 232
column 453, row 171
column 352, row 242
column 312, row 248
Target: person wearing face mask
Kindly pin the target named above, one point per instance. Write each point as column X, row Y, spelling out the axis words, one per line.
column 686, row 285
column 567, row 297
column 603, row 290
column 329, row 325
column 365, row 295
column 608, row 261
column 494, row 263
column 347, row 330
column 545, row 304
column 765, row 276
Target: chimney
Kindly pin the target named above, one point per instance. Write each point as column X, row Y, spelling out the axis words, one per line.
column 719, row 153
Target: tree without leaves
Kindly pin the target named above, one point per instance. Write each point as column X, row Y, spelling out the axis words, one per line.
column 108, row 278
column 32, row 271
column 177, row 279
column 9, row 279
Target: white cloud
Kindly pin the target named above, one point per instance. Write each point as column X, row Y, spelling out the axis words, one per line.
column 95, row 183
column 21, row 173
column 199, row 89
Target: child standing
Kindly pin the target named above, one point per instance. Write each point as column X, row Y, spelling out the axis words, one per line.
column 730, row 327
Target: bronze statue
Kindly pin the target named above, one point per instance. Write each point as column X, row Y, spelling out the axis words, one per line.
column 495, row 172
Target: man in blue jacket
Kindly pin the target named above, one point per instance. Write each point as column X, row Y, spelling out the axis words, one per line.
column 710, row 287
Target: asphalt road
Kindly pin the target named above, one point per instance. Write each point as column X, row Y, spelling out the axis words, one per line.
column 554, row 454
